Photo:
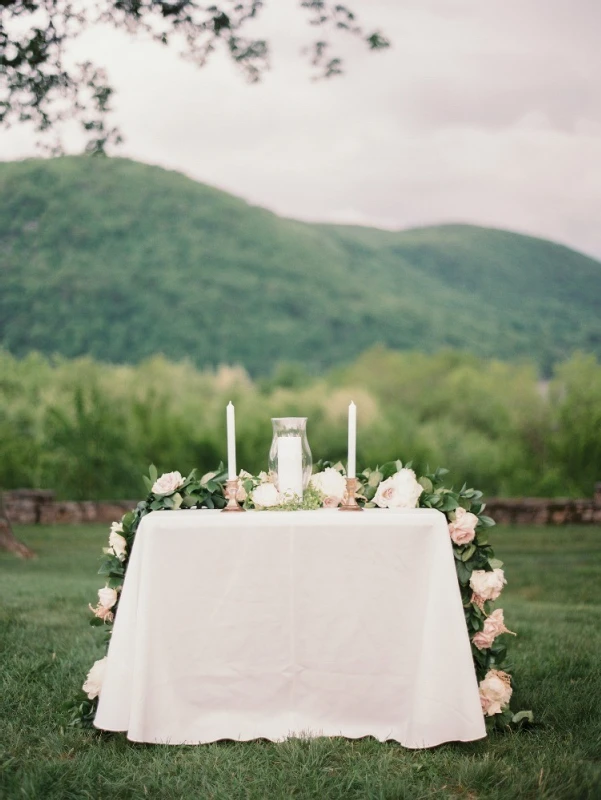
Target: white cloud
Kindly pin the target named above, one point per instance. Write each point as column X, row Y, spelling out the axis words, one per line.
column 481, row 112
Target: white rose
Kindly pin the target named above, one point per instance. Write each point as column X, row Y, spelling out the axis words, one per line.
column 495, row 692
column 399, row 491
column 116, row 527
column 93, row 685
column 117, row 544
column 168, row 483
column 266, row 495
column 332, row 486
column 107, row 597
column 487, row 585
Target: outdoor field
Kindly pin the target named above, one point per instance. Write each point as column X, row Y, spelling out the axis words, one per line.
column 552, row 600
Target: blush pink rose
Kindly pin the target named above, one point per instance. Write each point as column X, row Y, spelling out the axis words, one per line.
column 463, row 529
column 401, row 490
column 102, row 612
column 493, row 626
column 331, row 502
column 168, row 483
column 331, row 485
column 495, row 692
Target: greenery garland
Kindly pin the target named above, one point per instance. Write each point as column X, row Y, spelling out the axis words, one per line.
column 473, row 557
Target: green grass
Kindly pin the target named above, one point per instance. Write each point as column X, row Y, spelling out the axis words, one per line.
column 553, row 601
column 97, row 254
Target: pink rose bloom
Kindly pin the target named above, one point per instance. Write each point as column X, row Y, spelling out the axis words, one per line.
column 103, row 613
column 168, row 483
column 493, row 626
column 331, row 485
column 463, row 529
column 331, row 502
column 486, row 585
column 495, row 692
column 401, row 490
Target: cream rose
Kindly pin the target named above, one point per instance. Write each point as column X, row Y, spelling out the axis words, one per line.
column 401, row 490
column 168, row 483
column 495, row 692
column 266, row 495
column 463, row 529
column 493, row 626
column 487, row 585
column 93, row 685
column 332, row 486
column 107, row 597
column 117, row 543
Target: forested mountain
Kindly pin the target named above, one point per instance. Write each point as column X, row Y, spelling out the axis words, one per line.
column 122, row 260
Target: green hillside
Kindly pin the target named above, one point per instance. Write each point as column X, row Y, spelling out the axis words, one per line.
column 121, row 260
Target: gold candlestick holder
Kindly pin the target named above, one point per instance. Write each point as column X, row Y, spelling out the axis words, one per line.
column 231, row 490
column 350, row 500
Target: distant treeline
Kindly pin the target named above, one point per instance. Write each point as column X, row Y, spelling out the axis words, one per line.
column 89, row 430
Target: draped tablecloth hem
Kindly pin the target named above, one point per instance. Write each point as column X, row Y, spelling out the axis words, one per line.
column 278, row 739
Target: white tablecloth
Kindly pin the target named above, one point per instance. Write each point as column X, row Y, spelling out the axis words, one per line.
column 271, row 624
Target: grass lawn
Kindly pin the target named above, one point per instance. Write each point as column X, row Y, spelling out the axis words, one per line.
column 553, row 601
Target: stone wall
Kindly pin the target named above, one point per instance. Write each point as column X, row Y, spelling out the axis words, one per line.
column 33, row 506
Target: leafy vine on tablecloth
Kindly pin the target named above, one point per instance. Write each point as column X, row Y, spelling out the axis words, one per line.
column 392, row 485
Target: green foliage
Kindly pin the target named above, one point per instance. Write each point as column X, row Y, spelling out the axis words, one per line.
column 88, row 430
column 121, row 261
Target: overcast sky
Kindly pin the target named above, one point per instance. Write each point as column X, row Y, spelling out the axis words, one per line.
column 483, row 111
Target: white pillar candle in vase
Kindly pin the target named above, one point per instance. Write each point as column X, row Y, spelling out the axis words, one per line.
column 290, row 465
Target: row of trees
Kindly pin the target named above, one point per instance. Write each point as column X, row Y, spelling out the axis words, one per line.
column 89, row 430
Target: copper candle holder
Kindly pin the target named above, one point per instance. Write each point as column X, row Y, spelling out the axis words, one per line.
column 231, row 491
column 350, row 500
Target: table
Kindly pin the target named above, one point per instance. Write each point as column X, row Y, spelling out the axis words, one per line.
column 272, row 624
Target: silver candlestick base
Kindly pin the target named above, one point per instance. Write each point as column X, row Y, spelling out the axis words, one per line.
column 350, row 500
column 231, row 490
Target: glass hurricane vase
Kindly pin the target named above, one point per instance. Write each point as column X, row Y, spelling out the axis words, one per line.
column 290, row 459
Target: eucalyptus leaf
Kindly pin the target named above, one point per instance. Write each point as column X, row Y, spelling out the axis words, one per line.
column 468, row 552
column 152, row 471
column 426, row 484
column 375, row 478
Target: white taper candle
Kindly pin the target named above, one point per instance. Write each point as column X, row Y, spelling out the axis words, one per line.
column 352, row 441
column 231, row 442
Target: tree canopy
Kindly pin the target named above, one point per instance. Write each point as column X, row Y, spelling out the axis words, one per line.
column 40, row 86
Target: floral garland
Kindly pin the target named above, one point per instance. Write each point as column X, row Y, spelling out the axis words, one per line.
column 480, row 575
